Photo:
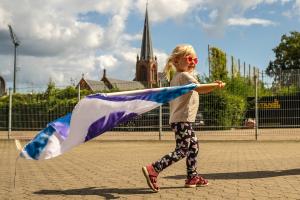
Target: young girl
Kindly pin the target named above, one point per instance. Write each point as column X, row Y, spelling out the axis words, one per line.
column 183, row 110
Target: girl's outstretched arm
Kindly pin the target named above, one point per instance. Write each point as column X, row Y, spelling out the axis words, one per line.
column 207, row 88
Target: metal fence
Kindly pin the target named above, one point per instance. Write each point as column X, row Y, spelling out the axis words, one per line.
column 248, row 106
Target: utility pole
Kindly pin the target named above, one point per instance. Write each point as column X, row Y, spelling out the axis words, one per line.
column 16, row 43
column 209, row 70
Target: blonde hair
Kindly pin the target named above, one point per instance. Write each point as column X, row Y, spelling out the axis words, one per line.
column 178, row 51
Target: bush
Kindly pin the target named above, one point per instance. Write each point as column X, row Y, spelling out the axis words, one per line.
column 223, row 110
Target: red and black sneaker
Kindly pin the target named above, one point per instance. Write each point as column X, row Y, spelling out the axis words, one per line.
column 196, row 181
column 151, row 177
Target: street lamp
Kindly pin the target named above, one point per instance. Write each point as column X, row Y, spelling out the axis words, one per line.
column 16, row 43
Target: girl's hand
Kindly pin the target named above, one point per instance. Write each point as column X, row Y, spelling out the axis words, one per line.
column 220, row 84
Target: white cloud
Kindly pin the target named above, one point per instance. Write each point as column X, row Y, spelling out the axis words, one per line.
column 134, row 37
column 161, row 59
column 297, row 7
column 4, row 18
column 213, row 14
column 107, row 61
column 54, row 44
column 162, row 10
column 223, row 13
column 292, row 12
column 249, row 22
column 130, row 56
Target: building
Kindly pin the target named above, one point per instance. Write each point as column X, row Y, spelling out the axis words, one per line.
column 146, row 64
column 107, row 83
column 146, row 70
column 91, row 85
column 2, row 86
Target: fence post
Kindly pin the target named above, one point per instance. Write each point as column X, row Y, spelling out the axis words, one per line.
column 160, row 117
column 249, row 72
column 245, row 70
column 9, row 113
column 232, row 66
column 78, row 92
column 256, row 106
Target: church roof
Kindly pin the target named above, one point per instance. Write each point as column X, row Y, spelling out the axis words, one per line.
column 108, row 83
column 96, row 85
column 123, row 85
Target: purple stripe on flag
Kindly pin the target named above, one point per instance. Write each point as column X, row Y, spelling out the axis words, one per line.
column 62, row 125
column 103, row 124
column 61, row 128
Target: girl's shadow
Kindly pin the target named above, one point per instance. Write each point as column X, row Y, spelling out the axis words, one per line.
column 107, row 193
column 244, row 175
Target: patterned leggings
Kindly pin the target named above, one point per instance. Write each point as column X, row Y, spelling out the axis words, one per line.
column 186, row 146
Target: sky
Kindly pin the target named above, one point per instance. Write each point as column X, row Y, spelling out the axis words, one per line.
column 61, row 40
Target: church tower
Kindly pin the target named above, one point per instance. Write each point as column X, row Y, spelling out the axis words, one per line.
column 146, row 64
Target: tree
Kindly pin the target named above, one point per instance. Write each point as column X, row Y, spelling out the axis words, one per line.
column 218, row 64
column 287, row 59
column 50, row 88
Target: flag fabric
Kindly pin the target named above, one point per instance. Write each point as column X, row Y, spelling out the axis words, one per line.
column 94, row 115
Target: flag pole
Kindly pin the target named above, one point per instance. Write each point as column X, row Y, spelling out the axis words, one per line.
column 153, row 90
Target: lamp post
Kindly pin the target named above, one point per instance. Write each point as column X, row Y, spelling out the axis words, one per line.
column 16, row 43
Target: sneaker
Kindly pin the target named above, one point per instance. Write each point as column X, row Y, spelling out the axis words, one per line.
column 196, row 181
column 151, row 177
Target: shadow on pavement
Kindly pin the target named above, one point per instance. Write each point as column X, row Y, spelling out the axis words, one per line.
column 244, row 175
column 107, row 193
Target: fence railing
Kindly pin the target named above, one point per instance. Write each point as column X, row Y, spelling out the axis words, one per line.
column 246, row 107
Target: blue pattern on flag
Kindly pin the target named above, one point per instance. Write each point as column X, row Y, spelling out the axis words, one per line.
column 86, row 128
column 37, row 145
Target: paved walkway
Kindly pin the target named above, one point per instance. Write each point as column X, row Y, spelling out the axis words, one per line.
column 112, row 170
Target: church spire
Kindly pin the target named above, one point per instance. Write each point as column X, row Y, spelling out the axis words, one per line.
column 146, row 49
column 146, row 64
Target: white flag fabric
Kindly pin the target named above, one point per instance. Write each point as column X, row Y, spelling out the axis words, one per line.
column 94, row 115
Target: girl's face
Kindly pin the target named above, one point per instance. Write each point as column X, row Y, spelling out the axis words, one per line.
column 186, row 63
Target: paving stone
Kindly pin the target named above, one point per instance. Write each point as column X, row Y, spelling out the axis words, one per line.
column 112, row 170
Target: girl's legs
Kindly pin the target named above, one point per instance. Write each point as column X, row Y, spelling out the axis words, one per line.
column 186, row 145
column 191, row 160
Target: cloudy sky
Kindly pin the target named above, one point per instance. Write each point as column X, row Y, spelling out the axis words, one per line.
column 62, row 40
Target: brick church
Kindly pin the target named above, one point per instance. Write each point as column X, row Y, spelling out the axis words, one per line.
column 146, row 69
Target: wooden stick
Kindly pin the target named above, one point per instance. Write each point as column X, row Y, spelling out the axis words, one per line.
column 154, row 89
